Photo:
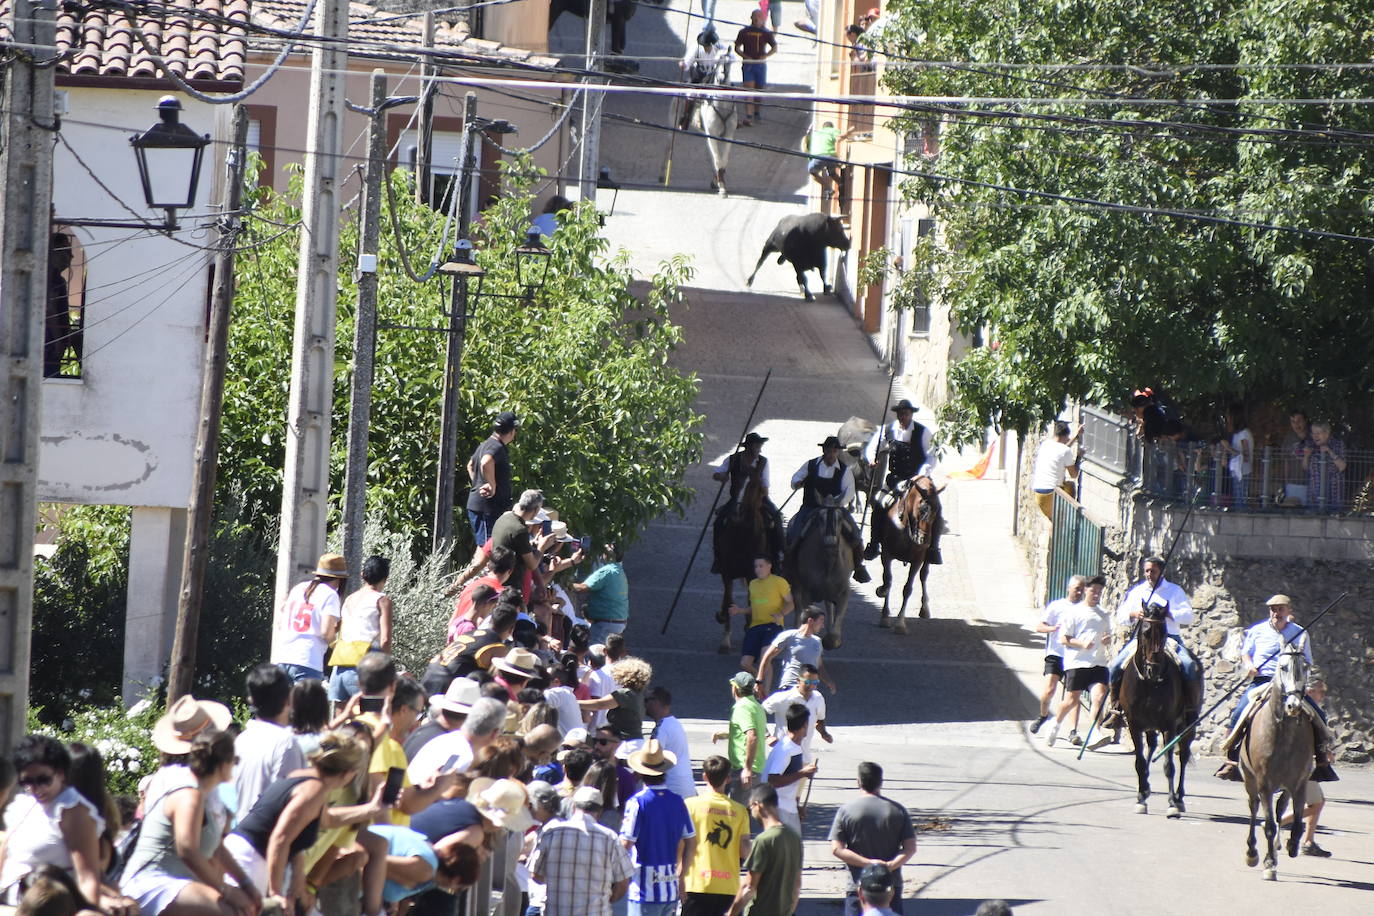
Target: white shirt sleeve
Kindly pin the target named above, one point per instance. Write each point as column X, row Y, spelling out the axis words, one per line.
column 724, row 465
column 871, row 448
column 1179, row 606
column 800, row 475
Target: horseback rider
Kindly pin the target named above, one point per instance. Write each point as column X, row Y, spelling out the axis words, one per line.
column 1178, row 611
column 739, row 469
column 699, row 66
column 1263, row 645
column 910, row 449
column 822, row 478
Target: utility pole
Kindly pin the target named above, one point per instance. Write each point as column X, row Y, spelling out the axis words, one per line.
column 305, row 484
column 365, row 330
column 25, row 205
column 201, row 512
column 453, row 358
column 589, row 164
column 424, row 151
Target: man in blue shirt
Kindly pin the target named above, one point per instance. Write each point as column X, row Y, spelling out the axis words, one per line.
column 658, row 832
column 606, row 593
column 1263, row 645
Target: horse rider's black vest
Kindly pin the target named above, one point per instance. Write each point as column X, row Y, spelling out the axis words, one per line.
column 815, row 488
column 906, row 458
column 739, row 474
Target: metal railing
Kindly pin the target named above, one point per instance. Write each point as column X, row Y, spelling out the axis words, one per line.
column 1332, row 481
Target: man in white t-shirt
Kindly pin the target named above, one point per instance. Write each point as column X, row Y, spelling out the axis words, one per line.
column 599, row 682
column 265, row 750
column 308, row 620
column 668, row 731
column 785, row 767
column 481, row 727
column 1085, row 632
column 1054, row 459
column 807, row 693
column 1049, row 624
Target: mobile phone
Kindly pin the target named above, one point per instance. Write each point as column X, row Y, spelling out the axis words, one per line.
column 391, row 792
column 450, row 764
column 585, row 544
column 372, row 704
column 546, row 526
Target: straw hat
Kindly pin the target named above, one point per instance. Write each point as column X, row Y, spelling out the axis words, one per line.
column 504, row 802
column 187, row 718
column 461, row 694
column 652, row 759
column 519, row 662
column 332, row 565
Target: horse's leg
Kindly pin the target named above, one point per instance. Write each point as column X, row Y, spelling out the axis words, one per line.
column 1185, row 752
column 1271, row 829
column 1299, row 810
column 727, row 599
column 1172, row 810
column 912, row 571
column 1252, row 854
column 925, row 598
column 885, row 589
column 1142, row 772
column 837, row 620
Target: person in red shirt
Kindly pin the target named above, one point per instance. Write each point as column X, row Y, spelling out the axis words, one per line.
column 754, row 44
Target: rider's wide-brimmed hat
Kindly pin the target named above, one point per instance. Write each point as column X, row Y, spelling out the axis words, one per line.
column 831, row 442
column 754, row 438
column 904, row 404
column 1279, row 599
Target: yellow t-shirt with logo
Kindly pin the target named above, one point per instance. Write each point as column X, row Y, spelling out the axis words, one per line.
column 721, row 825
column 765, row 600
column 386, row 755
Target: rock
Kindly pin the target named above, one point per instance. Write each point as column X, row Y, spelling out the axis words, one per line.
column 1214, row 638
column 1205, row 597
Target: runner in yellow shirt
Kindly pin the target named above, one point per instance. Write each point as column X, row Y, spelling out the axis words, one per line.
column 722, row 827
column 770, row 601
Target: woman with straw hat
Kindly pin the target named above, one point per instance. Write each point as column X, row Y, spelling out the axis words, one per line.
column 181, row 801
column 308, row 620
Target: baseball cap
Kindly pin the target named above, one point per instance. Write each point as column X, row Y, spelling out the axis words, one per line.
column 743, row 680
column 506, row 421
column 876, row 879
column 588, row 795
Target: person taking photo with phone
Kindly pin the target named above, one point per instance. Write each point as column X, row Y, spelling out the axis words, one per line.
column 606, row 595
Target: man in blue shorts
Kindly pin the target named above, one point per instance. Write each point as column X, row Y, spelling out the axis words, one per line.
column 754, row 44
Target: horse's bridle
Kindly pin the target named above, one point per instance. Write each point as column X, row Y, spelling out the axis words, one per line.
column 1143, row 659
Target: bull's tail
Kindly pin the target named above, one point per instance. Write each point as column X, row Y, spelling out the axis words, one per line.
column 762, row 257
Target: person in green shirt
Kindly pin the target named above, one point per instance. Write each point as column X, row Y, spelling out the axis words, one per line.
column 747, row 734
column 606, row 593
column 820, row 144
column 772, row 873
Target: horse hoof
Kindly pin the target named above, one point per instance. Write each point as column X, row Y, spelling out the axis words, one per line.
column 899, row 628
column 1172, row 812
column 722, row 192
column 1251, row 859
column 885, row 622
column 830, row 641
column 1142, row 808
column 925, row 613
column 881, row 591
column 1271, row 874
column 724, row 648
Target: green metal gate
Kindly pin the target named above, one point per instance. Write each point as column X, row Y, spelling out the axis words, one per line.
column 1075, row 546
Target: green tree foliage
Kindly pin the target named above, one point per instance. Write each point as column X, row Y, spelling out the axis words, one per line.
column 1082, row 302
column 607, row 422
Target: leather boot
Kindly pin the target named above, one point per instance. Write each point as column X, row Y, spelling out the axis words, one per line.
column 874, row 548
column 1113, row 717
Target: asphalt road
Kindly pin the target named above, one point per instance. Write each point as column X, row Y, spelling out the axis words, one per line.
column 943, row 708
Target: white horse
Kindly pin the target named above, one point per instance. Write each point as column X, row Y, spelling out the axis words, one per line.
column 718, row 118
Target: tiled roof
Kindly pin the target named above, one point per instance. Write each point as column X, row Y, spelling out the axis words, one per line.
column 191, row 35
column 373, row 32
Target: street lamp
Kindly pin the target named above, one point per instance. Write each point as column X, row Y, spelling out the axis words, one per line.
column 532, row 262
column 463, row 267
column 169, row 155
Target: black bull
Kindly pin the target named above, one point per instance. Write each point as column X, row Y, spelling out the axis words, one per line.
column 802, row 241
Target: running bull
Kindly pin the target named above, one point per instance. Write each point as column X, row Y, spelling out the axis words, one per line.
column 802, row 240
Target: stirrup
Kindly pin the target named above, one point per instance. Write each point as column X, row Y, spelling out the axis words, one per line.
column 1113, row 718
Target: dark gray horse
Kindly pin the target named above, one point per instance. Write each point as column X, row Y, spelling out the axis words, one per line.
column 802, row 241
column 818, row 568
column 1277, row 754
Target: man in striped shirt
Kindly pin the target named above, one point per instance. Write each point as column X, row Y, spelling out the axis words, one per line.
column 658, row 832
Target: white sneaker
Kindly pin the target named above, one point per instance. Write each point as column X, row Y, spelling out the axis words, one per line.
column 1053, row 734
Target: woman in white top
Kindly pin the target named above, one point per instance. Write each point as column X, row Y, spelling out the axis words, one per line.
column 52, row 824
column 177, row 866
column 308, row 620
column 1240, row 449
column 364, row 624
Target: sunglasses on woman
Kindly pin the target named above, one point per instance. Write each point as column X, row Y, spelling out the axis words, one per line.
column 36, row 782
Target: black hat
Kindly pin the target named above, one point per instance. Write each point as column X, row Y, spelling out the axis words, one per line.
column 876, row 879
column 831, row 442
column 754, row 437
column 505, row 422
column 904, row 404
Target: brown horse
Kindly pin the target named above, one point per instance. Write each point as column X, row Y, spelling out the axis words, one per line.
column 1276, row 754
column 745, row 533
column 904, row 530
column 1155, row 702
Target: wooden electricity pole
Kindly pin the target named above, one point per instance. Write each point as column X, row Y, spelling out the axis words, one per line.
column 201, row 512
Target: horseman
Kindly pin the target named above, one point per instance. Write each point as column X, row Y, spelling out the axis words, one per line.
column 700, row 66
column 824, row 478
column 909, row 447
column 740, row 469
column 1178, row 611
column 1263, row 645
